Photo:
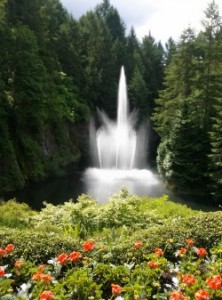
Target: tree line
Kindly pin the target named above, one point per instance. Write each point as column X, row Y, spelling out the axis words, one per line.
column 55, row 71
column 188, row 112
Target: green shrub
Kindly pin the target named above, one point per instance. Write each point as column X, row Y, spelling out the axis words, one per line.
column 15, row 215
column 35, row 245
column 86, row 217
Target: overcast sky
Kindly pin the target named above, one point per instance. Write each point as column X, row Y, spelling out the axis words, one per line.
column 163, row 18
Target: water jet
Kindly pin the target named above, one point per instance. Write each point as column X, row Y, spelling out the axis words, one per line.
column 119, row 153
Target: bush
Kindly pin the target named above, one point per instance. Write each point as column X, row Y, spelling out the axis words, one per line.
column 15, row 215
column 86, row 217
column 35, row 245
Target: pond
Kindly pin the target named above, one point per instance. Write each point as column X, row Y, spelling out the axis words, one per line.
column 100, row 184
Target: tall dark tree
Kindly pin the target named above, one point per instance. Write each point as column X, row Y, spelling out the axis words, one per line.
column 178, row 86
column 133, row 53
column 153, row 61
column 212, row 36
column 10, row 173
column 139, row 95
column 179, row 121
column 180, row 159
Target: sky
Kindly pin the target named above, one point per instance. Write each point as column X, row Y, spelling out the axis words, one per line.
column 162, row 18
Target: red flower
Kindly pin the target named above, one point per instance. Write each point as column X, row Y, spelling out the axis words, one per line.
column 45, row 278
column 2, row 272
column 189, row 279
column 201, row 252
column 153, row 264
column 138, row 244
column 46, row 295
column 202, row 295
column 37, row 276
column 18, row 264
column 177, row 295
column 214, row 282
column 9, row 248
column 159, row 251
column 75, row 256
column 62, row 259
column 88, row 245
column 116, row 289
column 190, row 242
column 2, row 252
column 181, row 252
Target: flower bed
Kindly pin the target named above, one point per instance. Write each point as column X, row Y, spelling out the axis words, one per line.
column 194, row 274
column 91, row 251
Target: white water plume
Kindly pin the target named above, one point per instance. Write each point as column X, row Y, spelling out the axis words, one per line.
column 119, row 154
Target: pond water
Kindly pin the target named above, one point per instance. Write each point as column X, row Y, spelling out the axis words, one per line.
column 100, row 185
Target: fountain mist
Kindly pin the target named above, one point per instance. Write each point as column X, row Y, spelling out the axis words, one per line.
column 117, row 144
column 119, row 153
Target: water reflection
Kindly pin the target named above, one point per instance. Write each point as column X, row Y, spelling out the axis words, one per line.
column 100, row 184
column 55, row 191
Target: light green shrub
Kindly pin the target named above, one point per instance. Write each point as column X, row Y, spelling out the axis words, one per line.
column 15, row 215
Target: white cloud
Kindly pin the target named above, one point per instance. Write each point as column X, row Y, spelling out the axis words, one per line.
column 163, row 18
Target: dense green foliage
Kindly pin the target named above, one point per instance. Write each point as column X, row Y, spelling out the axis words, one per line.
column 123, row 219
column 54, row 70
column 127, row 232
column 188, row 112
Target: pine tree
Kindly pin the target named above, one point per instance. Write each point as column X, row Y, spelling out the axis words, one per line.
column 215, row 167
column 211, row 42
column 139, row 95
column 179, row 84
column 181, row 159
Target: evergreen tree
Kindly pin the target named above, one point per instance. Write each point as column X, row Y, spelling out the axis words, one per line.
column 171, row 48
column 213, row 30
column 182, row 155
column 215, row 167
column 133, row 54
column 138, row 95
column 180, row 159
column 96, row 44
column 153, row 61
column 210, row 42
column 10, row 173
column 209, row 56
column 179, row 85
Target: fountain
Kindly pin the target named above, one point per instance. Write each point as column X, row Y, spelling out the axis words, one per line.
column 119, row 153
